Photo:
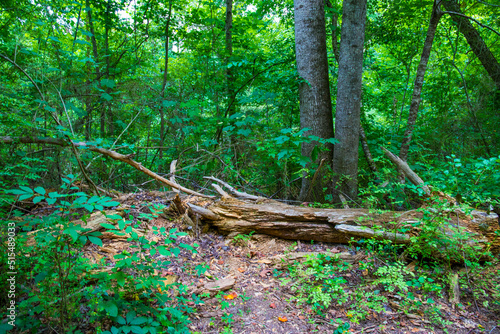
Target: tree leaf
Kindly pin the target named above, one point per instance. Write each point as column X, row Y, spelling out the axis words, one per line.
column 26, row 196
column 108, row 226
column 40, row 190
column 38, row 199
column 95, row 241
column 26, row 189
column 111, row 308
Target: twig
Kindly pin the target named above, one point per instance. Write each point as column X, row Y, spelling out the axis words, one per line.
column 129, row 124
column 488, row 4
column 56, row 119
column 26, row 74
column 476, row 21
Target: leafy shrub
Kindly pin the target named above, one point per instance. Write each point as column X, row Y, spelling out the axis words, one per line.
column 59, row 287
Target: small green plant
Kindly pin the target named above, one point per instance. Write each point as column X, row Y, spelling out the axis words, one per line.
column 317, row 281
column 393, row 277
column 58, row 278
column 243, row 239
column 342, row 327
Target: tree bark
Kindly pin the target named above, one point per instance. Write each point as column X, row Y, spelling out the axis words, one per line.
column 419, row 80
column 366, row 149
column 229, row 52
column 335, row 225
column 164, row 85
column 475, row 41
column 347, row 119
column 408, row 172
column 96, row 59
column 314, row 90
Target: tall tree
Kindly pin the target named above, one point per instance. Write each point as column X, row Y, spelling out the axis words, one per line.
column 164, row 83
column 314, row 90
column 476, row 42
column 419, row 79
column 347, row 119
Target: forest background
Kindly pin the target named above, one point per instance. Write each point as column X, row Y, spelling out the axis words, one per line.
column 219, row 93
column 299, row 101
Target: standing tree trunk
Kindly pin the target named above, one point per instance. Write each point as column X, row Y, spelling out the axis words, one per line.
column 96, row 59
column 335, row 49
column 163, row 86
column 419, row 80
column 347, row 119
column 475, row 41
column 107, row 107
column 314, row 90
column 366, row 149
column 229, row 52
column 95, row 54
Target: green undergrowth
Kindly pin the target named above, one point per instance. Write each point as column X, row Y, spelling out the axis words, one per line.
column 367, row 289
column 57, row 287
column 415, row 279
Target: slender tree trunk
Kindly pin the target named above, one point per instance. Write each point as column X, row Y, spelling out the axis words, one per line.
column 419, row 80
column 96, row 58
column 164, row 85
column 366, row 149
column 314, row 90
column 107, row 107
column 475, row 41
column 335, row 44
column 229, row 52
column 335, row 49
column 347, row 119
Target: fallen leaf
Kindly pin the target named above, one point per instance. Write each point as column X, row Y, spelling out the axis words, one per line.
column 241, row 270
column 231, row 296
column 266, row 261
column 301, row 317
column 190, row 303
column 272, row 305
column 265, row 273
column 283, row 319
column 220, row 262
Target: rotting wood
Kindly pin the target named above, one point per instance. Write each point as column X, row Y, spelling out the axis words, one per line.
column 172, row 174
column 366, row 232
column 235, row 192
column 205, row 213
column 336, row 225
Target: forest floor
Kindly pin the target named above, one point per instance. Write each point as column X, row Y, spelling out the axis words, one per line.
column 261, row 300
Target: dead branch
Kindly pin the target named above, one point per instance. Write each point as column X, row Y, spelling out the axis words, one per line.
column 403, row 166
column 112, row 154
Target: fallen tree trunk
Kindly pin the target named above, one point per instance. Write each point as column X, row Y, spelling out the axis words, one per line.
column 277, row 219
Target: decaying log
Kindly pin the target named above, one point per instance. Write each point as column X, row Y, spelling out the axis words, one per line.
column 336, row 225
column 366, row 232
